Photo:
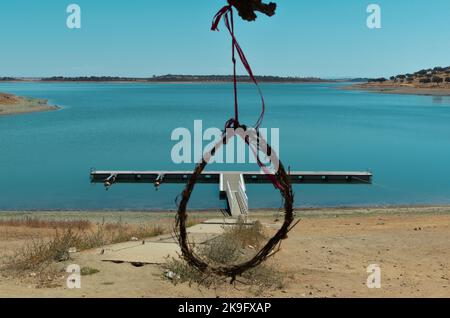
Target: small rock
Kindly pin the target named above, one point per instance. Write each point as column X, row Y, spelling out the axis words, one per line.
column 171, row 275
column 72, row 250
column 134, row 239
column 62, row 257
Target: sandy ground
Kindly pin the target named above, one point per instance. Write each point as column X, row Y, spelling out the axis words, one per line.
column 13, row 105
column 326, row 255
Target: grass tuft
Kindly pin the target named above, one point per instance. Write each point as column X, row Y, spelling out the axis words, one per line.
column 237, row 244
column 87, row 271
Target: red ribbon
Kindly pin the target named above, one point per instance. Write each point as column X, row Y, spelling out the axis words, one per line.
column 227, row 14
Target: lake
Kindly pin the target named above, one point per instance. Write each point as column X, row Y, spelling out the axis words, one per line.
column 45, row 158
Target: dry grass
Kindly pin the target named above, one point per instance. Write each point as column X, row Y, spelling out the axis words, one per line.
column 41, row 246
column 246, row 235
column 32, row 222
column 40, row 255
column 237, row 244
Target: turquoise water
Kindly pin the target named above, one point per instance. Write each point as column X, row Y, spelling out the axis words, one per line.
column 45, row 158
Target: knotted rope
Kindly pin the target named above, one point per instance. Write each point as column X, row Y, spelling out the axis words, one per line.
column 252, row 137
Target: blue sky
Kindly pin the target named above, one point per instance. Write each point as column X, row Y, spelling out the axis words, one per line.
column 326, row 38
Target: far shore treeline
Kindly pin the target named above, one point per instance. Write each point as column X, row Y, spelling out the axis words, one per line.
column 435, row 75
column 171, row 78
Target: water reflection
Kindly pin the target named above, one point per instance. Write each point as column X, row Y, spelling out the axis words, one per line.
column 441, row 100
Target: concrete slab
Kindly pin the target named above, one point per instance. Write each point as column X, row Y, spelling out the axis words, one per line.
column 196, row 238
column 149, row 253
column 227, row 221
column 207, row 229
column 157, row 249
column 120, row 246
column 162, row 238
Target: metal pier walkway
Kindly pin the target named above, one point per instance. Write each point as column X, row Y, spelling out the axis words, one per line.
column 234, row 187
column 231, row 184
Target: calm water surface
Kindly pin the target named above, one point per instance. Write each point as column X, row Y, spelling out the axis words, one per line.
column 45, row 158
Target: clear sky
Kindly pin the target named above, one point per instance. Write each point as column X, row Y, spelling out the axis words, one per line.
column 326, row 38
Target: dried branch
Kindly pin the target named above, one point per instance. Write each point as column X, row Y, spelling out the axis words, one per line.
column 235, row 270
column 247, row 8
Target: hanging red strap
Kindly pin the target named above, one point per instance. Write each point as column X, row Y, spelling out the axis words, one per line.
column 227, row 14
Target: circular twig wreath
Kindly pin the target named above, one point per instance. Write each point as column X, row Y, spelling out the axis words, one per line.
column 280, row 180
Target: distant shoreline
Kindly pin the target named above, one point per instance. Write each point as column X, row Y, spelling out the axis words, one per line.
column 307, row 211
column 15, row 105
column 426, row 82
column 173, row 79
column 176, row 82
column 400, row 90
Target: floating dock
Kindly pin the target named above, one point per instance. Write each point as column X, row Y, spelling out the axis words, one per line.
column 231, row 183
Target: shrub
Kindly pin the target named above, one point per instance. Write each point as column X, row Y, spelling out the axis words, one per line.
column 40, row 253
column 421, row 72
column 447, row 79
column 237, row 244
column 437, row 79
column 38, row 261
column 379, row 80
